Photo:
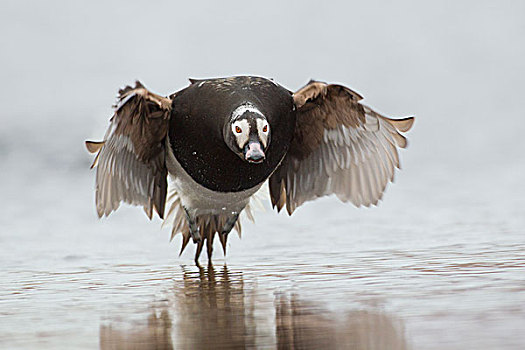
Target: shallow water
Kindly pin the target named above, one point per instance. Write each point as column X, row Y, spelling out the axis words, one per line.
column 331, row 276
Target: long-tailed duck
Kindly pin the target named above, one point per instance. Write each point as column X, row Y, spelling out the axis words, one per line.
column 218, row 140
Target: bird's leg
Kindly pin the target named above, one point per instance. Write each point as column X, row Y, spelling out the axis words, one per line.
column 210, row 246
column 194, row 228
column 228, row 226
column 200, row 244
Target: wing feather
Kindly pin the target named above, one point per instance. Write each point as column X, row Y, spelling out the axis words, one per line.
column 340, row 147
column 131, row 165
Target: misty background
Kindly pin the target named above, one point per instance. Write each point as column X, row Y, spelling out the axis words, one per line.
column 459, row 67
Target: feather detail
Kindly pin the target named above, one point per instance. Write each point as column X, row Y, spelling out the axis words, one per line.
column 340, row 147
column 130, row 160
column 209, row 224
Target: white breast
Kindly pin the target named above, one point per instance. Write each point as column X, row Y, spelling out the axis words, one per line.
column 201, row 200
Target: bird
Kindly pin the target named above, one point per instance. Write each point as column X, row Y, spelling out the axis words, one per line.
column 198, row 156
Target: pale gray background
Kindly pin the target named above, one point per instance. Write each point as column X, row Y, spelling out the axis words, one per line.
column 459, row 66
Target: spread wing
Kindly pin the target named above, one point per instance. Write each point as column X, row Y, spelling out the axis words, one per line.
column 130, row 162
column 340, row 147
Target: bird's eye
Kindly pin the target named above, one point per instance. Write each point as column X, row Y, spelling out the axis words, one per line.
column 265, row 128
column 238, row 130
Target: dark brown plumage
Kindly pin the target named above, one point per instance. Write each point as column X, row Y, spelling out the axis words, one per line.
column 325, row 107
column 141, row 117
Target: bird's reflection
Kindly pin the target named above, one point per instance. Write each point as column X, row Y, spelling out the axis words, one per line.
column 215, row 309
column 154, row 334
column 303, row 325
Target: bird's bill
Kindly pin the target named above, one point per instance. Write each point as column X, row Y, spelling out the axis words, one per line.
column 253, row 152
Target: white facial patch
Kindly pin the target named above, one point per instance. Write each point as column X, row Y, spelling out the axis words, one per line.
column 263, row 130
column 241, row 131
column 245, row 107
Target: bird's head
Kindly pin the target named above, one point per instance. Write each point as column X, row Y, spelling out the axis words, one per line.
column 247, row 133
